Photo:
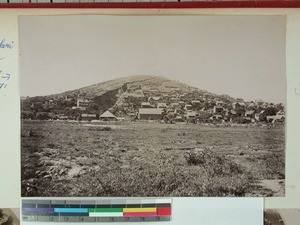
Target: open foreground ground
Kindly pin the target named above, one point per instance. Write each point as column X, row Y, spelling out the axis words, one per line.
column 151, row 159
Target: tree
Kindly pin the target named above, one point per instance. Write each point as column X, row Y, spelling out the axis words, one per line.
column 269, row 111
column 42, row 116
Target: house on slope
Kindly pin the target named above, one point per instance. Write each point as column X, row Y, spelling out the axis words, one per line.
column 83, row 102
column 259, row 102
column 188, row 107
column 175, row 105
column 237, row 105
column 219, row 103
column 181, row 103
column 280, row 112
column 146, row 105
column 276, row 119
column 195, row 103
column 216, row 117
column 250, row 114
column 190, row 115
column 161, row 105
column 150, row 114
column 218, row 109
column 63, row 117
column 153, row 99
column 107, row 116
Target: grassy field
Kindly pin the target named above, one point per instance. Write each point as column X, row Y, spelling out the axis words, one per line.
column 150, row 159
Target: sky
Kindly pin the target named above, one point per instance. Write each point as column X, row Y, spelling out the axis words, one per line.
column 243, row 56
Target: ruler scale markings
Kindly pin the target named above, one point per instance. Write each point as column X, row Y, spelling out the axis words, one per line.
column 162, row 205
column 114, row 210
column 28, row 205
column 118, row 206
column 88, row 204
column 103, row 204
column 73, row 204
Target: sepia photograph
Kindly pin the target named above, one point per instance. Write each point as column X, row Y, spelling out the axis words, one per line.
column 9, row 216
column 147, row 106
column 288, row 216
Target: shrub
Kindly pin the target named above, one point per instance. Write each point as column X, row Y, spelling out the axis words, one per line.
column 100, row 128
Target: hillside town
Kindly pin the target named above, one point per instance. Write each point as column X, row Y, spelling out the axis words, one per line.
column 136, row 104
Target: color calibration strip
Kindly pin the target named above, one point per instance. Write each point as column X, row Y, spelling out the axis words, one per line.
column 113, row 210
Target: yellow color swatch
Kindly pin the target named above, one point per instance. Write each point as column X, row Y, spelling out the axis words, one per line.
column 139, row 209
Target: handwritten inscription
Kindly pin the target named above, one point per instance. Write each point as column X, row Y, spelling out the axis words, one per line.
column 5, row 44
column 4, row 75
column 4, row 78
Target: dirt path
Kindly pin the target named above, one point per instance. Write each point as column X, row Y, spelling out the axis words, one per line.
column 277, row 186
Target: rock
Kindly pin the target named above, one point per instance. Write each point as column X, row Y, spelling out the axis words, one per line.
column 44, row 173
column 31, row 180
column 36, row 154
column 62, row 171
column 41, row 163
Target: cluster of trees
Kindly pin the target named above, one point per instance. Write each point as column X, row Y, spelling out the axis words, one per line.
column 43, row 108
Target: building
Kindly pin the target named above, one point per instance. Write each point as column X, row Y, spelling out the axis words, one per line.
column 153, row 99
column 63, row 117
column 83, row 102
column 188, row 107
column 178, row 119
column 161, row 105
column 250, row 114
column 107, row 116
column 89, row 117
column 237, row 105
column 195, row 102
column 175, row 105
column 218, row 109
column 259, row 102
column 216, row 117
column 146, row 105
column 190, row 115
column 251, row 104
column 280, row 112
column 181, row 103
column 276, row 119
column 219, row 103
column 150, row 114
column 125, row 105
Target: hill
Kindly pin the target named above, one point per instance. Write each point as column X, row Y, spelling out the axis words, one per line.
column 124, row 97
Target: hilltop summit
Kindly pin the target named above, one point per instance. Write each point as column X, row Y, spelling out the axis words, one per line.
column 145, row 82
